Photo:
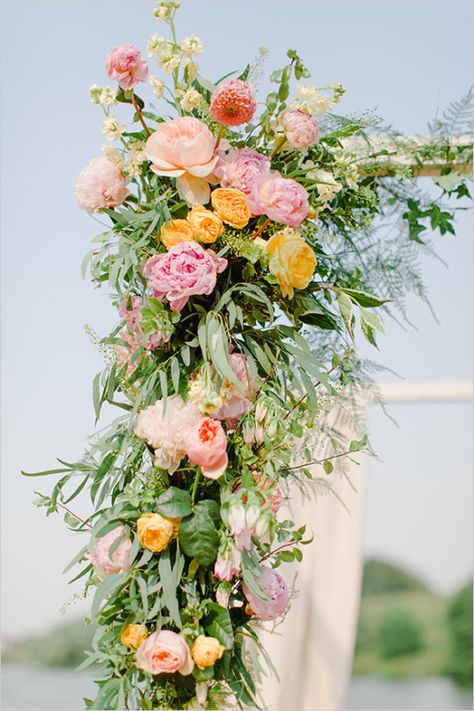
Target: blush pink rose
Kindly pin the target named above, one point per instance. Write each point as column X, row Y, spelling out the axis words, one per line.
column 281, row 199
column 185, row 270
column 105, row 563
column 301, row 129
column 240, row 169
column 126, row 65
column 164, row 652
column 206, row 446
column 273, row 585
column 185, row 149
column 100, row 184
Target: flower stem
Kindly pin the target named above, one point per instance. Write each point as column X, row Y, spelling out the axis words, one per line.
column 278, row 144
column 261, row 228
column 220, row 136
column 195, row 486
column 140, row 116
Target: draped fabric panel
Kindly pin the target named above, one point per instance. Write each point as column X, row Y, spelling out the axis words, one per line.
column 312, row 648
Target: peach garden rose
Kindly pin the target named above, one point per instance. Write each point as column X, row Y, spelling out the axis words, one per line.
column 156, row 531
column 164, row 652
column 184, row 148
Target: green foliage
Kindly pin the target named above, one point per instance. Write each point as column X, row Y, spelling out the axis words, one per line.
column 399, row 633
column 459, row 620
column 380, row 577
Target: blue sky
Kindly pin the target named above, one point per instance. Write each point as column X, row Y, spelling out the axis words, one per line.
column 406, row 59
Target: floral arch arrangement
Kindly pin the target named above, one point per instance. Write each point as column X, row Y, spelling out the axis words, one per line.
column 244, row 254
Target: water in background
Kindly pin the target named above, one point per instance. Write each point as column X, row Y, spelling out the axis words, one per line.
column 40, row 689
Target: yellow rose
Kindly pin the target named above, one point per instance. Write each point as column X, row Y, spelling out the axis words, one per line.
column 155, row 531
column 205, row 224
column 133, row 635
column 176, row 231
column 231, row 206
column 206, row 651
column 292, row 261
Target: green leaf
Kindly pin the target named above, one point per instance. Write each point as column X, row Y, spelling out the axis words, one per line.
column 170, row 584
column 175, row 373
column 328, row 466
column 210, row 507
column 362, row 297
column 198, row 537
column 218, row 350
column 219, row 625
column 174, row 503
column 105, row 588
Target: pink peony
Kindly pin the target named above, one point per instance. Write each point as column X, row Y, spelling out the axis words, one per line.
column 281, row 199
column 164, row 652
column 125, row 64
column 166, row 430
column 240, row 169
column 186, row 269
column 100, row 184
column 185, row 149
column 301, row 129
column 119, row 561
column 233, row 103
column 274, row 587
column 206, row 446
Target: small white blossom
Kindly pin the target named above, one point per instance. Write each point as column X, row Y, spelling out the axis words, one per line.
column 191, row 100
column 112, row 129
column 157, row 86
column 94, row 93
column 113, row 155
column 136, row 157
column 192, row 45
column 104, row 95
column 191, row 67
column 155, row 45
column 165, row 9
column 169, row 62
column 326, row 184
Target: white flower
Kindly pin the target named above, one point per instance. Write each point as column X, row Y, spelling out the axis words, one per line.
column 191, row 67
column 136, row 157
column 192, row 45
column 106, row 96
column 94, row 92
column 315, row 102
column 112, row 129
column 113, row 155
column 326, row 184
column 157, row 86
column 191, row 100
column 156, row 45
column 166, row 9
column 169, row 62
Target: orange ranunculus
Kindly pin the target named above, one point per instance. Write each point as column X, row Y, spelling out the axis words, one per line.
column 176, row 231
column 133, row 635
column 155, row 531
column 231, row 206
column 205, row 224
column 292, row 260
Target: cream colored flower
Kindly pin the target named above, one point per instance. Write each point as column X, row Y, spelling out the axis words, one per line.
column 157, row 86
column 136, row 157
column 113, row 155
column 104, row 95
column 112, row 129
column 326, row 184
column 191, row 100
column 191, row 67
column 192, row 45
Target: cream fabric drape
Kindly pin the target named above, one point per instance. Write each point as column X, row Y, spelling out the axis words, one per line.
column 312, row 649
